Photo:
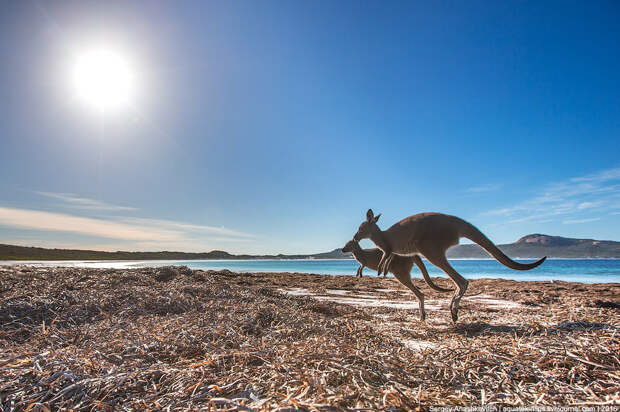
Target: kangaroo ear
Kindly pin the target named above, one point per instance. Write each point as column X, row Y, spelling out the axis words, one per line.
column 377, row 218
column 369, row 215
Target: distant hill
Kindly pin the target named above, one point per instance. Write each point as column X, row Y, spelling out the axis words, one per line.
column 530, row 246
column 11, row 252
column 537, row 245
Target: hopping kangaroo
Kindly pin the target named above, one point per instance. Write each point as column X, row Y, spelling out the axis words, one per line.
column 431, row 235
column 400, row 266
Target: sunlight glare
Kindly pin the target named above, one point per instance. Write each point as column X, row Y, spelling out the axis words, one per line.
column 104, row 79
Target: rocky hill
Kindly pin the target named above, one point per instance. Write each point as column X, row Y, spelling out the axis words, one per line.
column 537, row 245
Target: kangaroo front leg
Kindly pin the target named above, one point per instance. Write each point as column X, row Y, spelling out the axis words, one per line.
column 380, row 267
column 387, row 264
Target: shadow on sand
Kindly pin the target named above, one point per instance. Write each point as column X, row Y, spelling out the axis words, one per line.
column 487, row 329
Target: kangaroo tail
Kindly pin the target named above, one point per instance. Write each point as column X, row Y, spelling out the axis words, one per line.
column 473, row 234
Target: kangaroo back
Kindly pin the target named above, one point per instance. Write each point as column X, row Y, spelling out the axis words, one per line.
column 472, row 233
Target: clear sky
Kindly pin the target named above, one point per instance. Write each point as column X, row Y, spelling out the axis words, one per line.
column 273, row 126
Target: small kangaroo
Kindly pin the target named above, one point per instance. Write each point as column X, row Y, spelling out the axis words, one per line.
column 400, row 266
column 431, row 235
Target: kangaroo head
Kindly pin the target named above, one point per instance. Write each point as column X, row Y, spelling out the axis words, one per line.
column 351, row 246
column 368, row 227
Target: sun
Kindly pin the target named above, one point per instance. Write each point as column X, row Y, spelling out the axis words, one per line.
column 104, row 79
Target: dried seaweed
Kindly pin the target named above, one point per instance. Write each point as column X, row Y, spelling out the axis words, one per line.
column 176, row 339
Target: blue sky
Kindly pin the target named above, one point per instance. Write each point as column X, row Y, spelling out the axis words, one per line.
column 273, row 126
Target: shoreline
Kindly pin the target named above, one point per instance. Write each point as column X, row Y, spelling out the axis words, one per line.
column 569, row 270
column 34, row 261
column 416, row 277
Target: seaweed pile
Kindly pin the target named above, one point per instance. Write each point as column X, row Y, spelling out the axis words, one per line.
column 177, row 339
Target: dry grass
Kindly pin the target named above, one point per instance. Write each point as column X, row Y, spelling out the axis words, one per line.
column 88, row 339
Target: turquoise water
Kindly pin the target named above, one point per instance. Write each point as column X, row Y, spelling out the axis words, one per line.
column 575, row 270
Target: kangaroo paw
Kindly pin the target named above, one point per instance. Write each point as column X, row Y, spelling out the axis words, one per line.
column 454, row 310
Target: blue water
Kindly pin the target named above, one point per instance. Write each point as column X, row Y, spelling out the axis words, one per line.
column 571, row 270
column 575, row 270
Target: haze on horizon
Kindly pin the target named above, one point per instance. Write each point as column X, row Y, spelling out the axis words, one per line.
column 271, row 127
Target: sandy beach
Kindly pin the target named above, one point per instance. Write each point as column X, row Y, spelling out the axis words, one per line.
column 156, row 338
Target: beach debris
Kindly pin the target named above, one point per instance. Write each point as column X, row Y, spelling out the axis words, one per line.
column 166, row 273
column 118, row 339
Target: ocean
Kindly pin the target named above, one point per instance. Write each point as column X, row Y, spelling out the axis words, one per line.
column 572, row 270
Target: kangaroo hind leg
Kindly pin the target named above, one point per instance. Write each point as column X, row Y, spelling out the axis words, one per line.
column 439, row 260
column 405, row 279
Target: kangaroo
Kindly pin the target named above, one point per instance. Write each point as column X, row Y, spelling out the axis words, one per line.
column 400, row 266
column 431, row 235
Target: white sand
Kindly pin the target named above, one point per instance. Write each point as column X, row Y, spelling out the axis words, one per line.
column 418, row 344
column 351, row 298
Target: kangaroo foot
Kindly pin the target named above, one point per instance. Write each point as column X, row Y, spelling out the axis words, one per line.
column 454, row 309
column 455, row 317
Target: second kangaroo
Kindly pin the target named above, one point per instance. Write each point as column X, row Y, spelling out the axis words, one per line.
column 400, row 266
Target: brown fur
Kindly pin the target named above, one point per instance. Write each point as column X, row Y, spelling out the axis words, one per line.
column 400, row 266
column 431, row 235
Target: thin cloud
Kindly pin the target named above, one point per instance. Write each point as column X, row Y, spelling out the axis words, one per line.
column 597, row 192
column 588, row 205
column 160, row 232
column 574, row 221
column 609, row 174
column 484, row 188
column 78, row 202
column 231, row 246
column 54, row 244
column 59, row 222
column 172, row 225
